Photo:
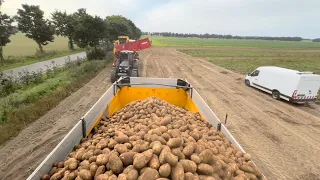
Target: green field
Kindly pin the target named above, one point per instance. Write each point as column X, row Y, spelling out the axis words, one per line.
column 197, row 42
column 23, row 51
column 244, row 61
column 23, row 46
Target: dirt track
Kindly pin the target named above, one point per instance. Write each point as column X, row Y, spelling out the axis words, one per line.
column 283, row 139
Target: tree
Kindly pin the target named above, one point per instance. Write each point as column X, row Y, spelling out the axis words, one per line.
column 316, row 40
column 64, row 25
column 30, row 21
column 6, row 30
column 89, row 31
column 119, row 25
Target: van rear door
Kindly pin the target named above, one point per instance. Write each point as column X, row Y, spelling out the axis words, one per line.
column 308, row 87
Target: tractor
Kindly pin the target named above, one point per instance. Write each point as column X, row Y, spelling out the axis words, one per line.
column 126, row 65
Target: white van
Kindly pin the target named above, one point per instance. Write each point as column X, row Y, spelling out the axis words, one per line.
column 291, row 85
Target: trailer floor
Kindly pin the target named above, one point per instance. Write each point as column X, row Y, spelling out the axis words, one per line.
column 283, row 139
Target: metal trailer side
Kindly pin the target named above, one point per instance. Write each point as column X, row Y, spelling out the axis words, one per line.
column 107, row 104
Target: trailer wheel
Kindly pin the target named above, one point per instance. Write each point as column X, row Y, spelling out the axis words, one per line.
column 276, row 94
column 247, row 82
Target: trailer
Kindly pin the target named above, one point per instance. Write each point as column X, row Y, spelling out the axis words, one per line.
column 178, row 92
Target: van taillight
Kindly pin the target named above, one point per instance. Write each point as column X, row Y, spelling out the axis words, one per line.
column 294, row 95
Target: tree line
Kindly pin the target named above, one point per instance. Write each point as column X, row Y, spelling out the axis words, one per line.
column 221, row 36
column 316, row 40
column 81, row 28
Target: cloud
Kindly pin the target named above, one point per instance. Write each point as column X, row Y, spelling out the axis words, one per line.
column 102, row 8
column 237, row 17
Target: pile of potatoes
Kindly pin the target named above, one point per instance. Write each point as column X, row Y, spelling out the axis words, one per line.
column 155, row 140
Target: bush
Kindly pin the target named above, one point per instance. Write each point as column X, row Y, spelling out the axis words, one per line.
column 96, row 54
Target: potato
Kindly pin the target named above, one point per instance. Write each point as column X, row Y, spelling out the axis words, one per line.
column 195, row 135
column 73, row 165
column 102, row 177
column 251, row 176
column 188, row 165
column 204, row 169
column 132, row 174
column 121, row 148
column 112, row 177
column 189, row 149
column 157, row 148
column 122, row 177
column 102, row 159
column 149, row 174
column 189, row 176
column 127, row 158
column 72, row 176
column 165, row 121
column 202, row 177
column 246, row 168
column 165, row 170
column 115, row 164
column 177, row 172
column 247, row 157
column 154, row 162
column 100, row 170
column 45, row 177
column 178, row 153
column 165, row 136
column 195, row 158
column 93, row 169
column 162, row 154
column 140, row 161
column 92, row 159
column 199, row 149
column 170, row 158
column 175, row 142
column 112, row 143
column 206, row 156
column 174, row 133
column 85, row 174
column 56, row 176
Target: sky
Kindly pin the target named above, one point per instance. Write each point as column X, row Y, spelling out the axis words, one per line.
column 236, row 17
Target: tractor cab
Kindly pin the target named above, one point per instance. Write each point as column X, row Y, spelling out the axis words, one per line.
column 123, row 39
column 126, row 66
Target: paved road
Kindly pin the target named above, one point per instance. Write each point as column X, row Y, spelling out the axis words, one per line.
column 44, row 65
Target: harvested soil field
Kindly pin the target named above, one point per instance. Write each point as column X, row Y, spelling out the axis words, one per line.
column 283, row 139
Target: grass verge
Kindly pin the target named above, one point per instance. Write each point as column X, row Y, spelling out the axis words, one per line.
column 32, row 100
column 17, row 61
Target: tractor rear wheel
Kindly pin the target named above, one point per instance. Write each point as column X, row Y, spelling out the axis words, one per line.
column 113, row 76
column 134, row 73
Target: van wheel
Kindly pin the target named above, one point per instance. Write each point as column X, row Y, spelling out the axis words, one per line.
column 276, row 94
column 247, row 82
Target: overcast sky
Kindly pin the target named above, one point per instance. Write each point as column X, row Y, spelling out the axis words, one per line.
column 236, row 17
